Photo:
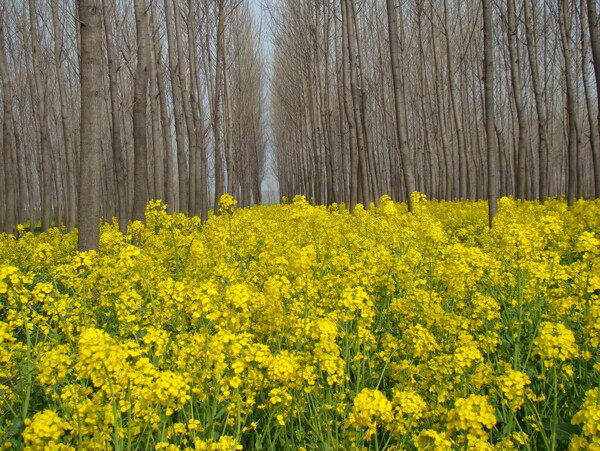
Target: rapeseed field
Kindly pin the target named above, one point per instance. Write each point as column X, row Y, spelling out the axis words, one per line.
column 300, row 327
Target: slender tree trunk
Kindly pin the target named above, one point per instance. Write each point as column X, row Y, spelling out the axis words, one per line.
column 401, row 129
column 488, row 67
column 359, row 98
column 540, row 104
column 183, row 74
column 228, row 132
column 171, row 187
column 91, row 72
column 592, row 118
column 196, row 182
column 564, row 18
column 348, row 108
column 158, row 148
column 140, row 115
column 174, row 69
column 448, row 179
column 517, row 85
column 43, row 117
column 217, row 107
column 595, row 44
column 460, row 137
column 8, row 148
column 118, row 150
column 68, row 150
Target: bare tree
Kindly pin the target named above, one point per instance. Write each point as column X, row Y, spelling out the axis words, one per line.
column 42, row 112
column 592, row 14
column 180, row 130
column 217, row 105
column 564, row 18
column 8, row 147
column 140, row 117
column 171, row 186
column 118, row 150
column 91, row 71
column 488, row 65
column 401, row 130
column 540, row 105
column 591, row 108
column 517, row 90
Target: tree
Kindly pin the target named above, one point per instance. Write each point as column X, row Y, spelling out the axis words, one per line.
column 595, row 43
column 140, row 103
column 42, row 112
column 180, row 128
column 488, row 70
column 540, row 105
column 592, row 119
column 217, row 105
column 91, row 70
column 67, row 135
column 8, row 148
column 118, row 149
column 401, row 129
column 517, row 90
column 564, row 19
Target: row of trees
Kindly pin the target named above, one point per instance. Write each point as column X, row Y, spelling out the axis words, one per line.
column 171, row 90
column 115, row 102
column 375, row 97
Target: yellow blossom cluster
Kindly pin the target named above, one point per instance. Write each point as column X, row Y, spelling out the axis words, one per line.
column 555, row 343
column 370, row 407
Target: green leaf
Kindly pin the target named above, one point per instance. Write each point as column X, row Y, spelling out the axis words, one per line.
column 17, row 427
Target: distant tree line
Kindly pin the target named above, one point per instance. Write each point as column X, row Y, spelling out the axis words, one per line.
column 107, row 104
column 178, row 95
column 375, row 97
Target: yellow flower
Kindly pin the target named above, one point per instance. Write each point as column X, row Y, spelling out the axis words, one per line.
column 512, row 384
column 472, row 415
column 370, row 407
column 555, row 343
column 431, row 440
column 44, row 430
column 227, row 203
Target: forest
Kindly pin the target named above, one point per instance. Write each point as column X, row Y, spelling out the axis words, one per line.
column 339, row 101
column 336, row 118
column 323, row 102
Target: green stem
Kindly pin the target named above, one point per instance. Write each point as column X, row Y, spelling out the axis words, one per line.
column 29, row 366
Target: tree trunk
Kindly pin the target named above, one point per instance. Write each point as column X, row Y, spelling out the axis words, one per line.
column 460, row 137
column 540, row 104
column 68, row 148
column 200, row 171
column 517, row 85
column 171, row 187
column 595, row 44
column 592, row 119
column 91, row 72
column 217, row 107
column 564, row 19
column 158, row 148
column 488, row 68
column 401, row 129
column 174, row 69
column 348, row 108
column 140, row 116
column 42, row 113
column 8, row 148
column 118, row 150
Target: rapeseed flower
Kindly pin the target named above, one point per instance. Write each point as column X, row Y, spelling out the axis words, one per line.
column 555, row 343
